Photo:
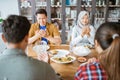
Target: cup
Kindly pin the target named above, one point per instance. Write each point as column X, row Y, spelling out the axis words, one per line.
column 41, row 51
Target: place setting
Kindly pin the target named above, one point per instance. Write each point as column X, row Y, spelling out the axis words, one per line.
column 81, row 51
column 61, row 56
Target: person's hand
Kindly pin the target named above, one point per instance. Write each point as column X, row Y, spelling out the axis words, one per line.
column 48, row 37
column 38, row 34
column 92, row 60
column 88, row 31
column 43, row 33
column 43, row 57
column 84, row 29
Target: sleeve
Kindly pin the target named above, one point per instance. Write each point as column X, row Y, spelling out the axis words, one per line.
column 75, row 38
column 78, row 74
column 92, row 35
column 32, row 30
column 55, row 31
column 51, row 75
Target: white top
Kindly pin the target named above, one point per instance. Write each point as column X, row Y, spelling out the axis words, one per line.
column 77, row 39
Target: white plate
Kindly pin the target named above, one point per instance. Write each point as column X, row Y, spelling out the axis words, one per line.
column 71, row 59
column 60, row 53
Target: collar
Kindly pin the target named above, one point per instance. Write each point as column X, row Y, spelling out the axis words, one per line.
column 14, row 51
column 37, row 24
column 42, row 27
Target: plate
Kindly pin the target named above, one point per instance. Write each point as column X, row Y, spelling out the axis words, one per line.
column 81, row 51
column 63, row 60
column 59, row 52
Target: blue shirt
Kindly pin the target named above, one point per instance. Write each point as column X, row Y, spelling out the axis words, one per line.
column 43, row 39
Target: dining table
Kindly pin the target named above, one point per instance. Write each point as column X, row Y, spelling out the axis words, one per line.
column 66, row 70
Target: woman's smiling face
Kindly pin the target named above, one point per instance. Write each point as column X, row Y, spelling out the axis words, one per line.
column 85, row 20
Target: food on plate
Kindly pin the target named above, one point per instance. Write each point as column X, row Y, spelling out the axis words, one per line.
column 81, row 59
column 54, row 52
column 88, row 46
column 63, row 59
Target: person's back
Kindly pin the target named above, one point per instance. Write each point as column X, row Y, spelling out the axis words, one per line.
column 92, row 71
column 14, row 63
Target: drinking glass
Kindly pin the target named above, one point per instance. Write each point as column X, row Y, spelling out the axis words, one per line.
column 41, row 50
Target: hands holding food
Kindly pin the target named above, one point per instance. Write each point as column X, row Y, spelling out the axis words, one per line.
column 40, row 33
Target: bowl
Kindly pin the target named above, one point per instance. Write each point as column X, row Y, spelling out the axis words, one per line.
column 81, row 59
column 81, row 51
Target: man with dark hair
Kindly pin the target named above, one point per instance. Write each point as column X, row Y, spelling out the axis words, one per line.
column 41, row 11
column 43, row 31
column 14, row 63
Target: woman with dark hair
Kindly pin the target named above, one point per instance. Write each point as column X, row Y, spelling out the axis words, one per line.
column 107, row 66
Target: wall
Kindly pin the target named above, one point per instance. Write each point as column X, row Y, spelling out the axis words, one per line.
column 2, row 45
column 8, row 7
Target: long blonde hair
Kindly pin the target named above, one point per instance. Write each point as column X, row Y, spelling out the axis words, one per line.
column 110, row 57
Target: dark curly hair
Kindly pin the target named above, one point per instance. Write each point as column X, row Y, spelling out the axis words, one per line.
column 15, row 28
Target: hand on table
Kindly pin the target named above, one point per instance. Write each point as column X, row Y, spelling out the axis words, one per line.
column 43, row 57
column 91, row 60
